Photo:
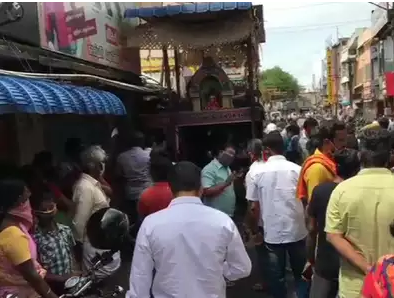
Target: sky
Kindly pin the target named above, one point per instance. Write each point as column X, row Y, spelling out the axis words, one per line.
column 297, row 33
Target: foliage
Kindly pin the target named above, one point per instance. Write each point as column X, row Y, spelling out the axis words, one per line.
column 276, row 79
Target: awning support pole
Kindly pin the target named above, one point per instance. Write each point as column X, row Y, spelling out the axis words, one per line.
column 167, row 74
column 177, row 71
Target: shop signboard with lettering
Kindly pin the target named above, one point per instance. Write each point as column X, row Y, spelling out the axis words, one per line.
column 330, row 77
column 88, row 30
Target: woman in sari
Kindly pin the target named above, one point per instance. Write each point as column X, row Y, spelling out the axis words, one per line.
column 20, row 272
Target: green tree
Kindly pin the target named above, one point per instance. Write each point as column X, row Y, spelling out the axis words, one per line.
column 277, row 79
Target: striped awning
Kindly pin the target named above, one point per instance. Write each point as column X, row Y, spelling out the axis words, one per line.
column 187, row 8
column 23, row 95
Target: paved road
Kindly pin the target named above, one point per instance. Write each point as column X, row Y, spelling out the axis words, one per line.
column 242, row 288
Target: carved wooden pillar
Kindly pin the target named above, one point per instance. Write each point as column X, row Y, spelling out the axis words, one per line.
column 250, row 91
column 171, row 128
column 167, row 74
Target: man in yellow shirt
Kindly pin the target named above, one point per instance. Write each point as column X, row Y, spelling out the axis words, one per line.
column 360, row 211
column 320, row 167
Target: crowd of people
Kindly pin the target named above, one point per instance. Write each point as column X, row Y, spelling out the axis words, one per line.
column 45, row 207
column 319, row 201
column 319, row 198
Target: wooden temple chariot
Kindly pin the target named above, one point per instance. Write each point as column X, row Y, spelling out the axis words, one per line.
column 220, row 38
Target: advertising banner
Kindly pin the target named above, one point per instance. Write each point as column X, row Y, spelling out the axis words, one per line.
column 330, row 77
column 88, row 30
column 389, row 76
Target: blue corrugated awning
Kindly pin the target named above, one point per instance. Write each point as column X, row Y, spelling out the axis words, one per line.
column 188, row 8
column 49, row 97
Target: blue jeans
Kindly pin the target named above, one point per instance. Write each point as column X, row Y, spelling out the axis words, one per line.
column 273, row 258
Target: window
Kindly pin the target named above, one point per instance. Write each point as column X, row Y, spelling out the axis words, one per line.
column 375, row 69
column 368, row 72
column 118, row 10
column 344, row 70
column 108, row 8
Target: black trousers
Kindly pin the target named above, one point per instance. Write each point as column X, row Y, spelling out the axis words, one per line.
column 323, row 288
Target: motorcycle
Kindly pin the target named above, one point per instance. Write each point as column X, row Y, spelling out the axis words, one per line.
column 88, row 285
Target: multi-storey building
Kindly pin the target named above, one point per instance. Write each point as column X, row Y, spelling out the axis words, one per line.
column 337, row 49
column 382, row 61
column 348, row 61
column 363, row 87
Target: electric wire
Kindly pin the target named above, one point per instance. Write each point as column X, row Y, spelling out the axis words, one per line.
column 302, row 6
column 317, row 26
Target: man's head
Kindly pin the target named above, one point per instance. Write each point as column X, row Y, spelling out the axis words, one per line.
column 292, row 130
column 93, row 161
column 384, row 122
column 159, row 167
column 270, row 127
column 331, row 137
column 73, row 148
column 149, row 142
column 14, row 194
column 225, row 154
column 255, row 149
column 44, row 208
column 273, row 144
column 185, row 179
column 348, row 163
column 43, row 163
column 375, row 148
column 136, row 139
column 310, row 126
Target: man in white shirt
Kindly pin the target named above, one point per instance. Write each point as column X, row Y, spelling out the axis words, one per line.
column 255, row 150
column 310, row 128
column 89, row 197
column 188, row 249
column 273, row 192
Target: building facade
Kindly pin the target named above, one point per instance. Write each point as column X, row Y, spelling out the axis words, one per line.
column 382, row 58
column 348, row 66
column 78, row 37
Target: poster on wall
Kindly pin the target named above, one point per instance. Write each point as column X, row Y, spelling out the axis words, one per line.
column 88, row 30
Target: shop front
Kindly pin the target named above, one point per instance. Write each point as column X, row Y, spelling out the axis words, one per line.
column 389, row 82
column 25, row 103
column 369, row 106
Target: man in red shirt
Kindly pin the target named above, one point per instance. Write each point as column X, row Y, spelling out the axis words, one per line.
column 159, row 195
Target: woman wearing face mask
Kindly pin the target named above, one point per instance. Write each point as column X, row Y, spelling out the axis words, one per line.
column 20, row 272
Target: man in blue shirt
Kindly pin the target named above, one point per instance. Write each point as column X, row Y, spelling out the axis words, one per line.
column 217, row 181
